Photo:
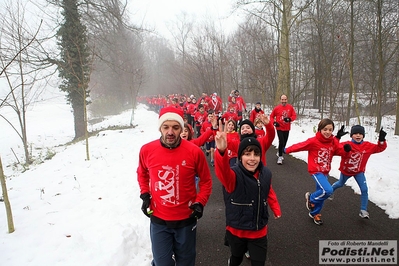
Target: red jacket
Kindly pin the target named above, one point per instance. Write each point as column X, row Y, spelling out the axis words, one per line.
column 190, row 108
column 254, row 114
column 279, row 113
column 265, row 142
column 215, row 104
column 228, row 115
column 355, row 161
column 234, row 106
column 259, row 132
column 241, row 105
column 320, row 152
column 205, row 127
column 203, row 138
column 169, row 176
column 232, row 137
column 200, row 118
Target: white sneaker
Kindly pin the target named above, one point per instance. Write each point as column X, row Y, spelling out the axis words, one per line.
column 247, row 254
column 364, row 214
column 280, row 160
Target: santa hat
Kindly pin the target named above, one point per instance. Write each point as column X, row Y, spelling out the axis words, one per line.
column 171, row 114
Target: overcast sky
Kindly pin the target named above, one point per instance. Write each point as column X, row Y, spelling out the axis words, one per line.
column 160, row 13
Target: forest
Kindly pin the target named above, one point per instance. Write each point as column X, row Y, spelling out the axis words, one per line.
column 339, row 58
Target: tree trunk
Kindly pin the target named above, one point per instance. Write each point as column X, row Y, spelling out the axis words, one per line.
column 7, row 204
column 397, row 111
column 78, row 117
column 284, row 75
column 351, row 80
column 381, row 69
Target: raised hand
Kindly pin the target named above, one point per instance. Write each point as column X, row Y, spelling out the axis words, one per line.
column 382, row 135
column 265, row 119
column 341, row 133
column 221, row 138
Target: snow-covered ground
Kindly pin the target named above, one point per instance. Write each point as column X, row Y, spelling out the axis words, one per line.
column 73, row 211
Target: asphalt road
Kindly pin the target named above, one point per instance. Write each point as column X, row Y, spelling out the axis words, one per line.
column 294, row 238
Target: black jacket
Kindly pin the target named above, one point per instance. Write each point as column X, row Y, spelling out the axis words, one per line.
column 246, row 206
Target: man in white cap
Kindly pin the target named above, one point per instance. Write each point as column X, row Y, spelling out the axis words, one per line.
column 166, row 175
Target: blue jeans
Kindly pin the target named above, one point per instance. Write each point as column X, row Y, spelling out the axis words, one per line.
column 173, row 246
column 323, row 192
column 361, row 181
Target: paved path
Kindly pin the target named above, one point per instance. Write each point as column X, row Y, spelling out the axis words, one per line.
column 294, row 238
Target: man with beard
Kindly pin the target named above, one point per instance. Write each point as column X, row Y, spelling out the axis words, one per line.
column 281, row 117
column 166, row 175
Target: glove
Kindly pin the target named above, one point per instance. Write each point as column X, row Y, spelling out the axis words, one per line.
column 341, row 133
column 146, row 204
column 287, row 119
column 198, row 209
column 382, row 135
column 276, row 124
column 347, row 147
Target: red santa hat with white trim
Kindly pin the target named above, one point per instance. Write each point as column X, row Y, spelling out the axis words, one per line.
column 171, row 114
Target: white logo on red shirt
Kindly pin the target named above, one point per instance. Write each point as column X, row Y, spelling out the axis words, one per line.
column 323, row 160
column 166, row 184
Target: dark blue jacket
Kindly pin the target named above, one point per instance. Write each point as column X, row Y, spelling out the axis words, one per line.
column 246, row 206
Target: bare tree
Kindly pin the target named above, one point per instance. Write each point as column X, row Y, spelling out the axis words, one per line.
column 252, row 61
column 118, row 70
column 181, row 31
column 23, row 68
column 282, row 20
column 3, row 102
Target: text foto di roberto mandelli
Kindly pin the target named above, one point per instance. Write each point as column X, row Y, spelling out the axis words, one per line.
column 357, row 251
